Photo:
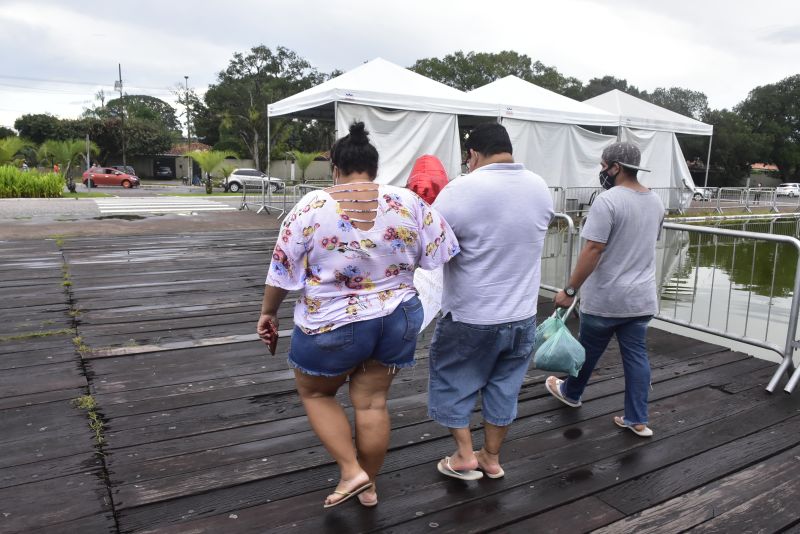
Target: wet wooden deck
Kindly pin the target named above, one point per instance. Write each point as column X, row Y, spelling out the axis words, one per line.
column 204, row 432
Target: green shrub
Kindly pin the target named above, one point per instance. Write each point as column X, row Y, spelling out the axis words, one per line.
column 17, row 184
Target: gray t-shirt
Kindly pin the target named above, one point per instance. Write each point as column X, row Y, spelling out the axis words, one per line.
column 624, row 282
column 500, row 214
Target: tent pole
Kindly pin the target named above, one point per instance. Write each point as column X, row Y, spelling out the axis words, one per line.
column 708, row 158
column 268, row 150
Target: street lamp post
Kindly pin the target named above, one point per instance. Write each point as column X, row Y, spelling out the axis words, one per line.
column 189, row 163
column 118, row 85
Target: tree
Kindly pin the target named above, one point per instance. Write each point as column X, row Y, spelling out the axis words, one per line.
column 774, row 111
column 735, row 146
column 11, row 148
column 248, row 85
column 304, row 161
column 145, row 108
column 598, row 86
column 684, row 101
column 65, row 153
column 475, row 69
column 39, row 127
column 209, row 161
column 6, row 132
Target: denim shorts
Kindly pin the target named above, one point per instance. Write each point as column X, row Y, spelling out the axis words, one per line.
column 468, row 359
column 391, row 340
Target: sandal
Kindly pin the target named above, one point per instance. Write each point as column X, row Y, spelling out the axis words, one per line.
column 554, row 388
column 646, row 432
column 347, row 495
column 364, row 502
column 499, row 474
column 446, row 469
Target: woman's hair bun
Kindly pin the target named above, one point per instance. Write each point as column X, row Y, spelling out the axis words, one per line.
column 358, row 134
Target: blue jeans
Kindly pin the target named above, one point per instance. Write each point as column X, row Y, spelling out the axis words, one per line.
column 595, row 333
column 467, row 359
column 391, row 340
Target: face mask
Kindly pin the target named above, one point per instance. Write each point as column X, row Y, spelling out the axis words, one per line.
column 606, row 180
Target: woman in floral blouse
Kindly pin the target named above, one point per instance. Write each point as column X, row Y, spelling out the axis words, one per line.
column 351, row 251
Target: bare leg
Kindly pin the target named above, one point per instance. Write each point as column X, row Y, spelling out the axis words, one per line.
column 464, row 457
column 369, row 385
column 489, row 455
column 330, row 423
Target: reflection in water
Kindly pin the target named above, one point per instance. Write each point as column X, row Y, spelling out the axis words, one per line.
column 736, row 285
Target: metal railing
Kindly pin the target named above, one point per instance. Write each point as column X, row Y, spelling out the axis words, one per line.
column 296, row 192
column 720, row 259
column 261, row 194
column 739, row 284
column 559, row 243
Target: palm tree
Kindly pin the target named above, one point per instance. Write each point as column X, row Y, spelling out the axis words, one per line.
column 304, row 161
column 65, row 153
column 10, row 148
column 210, row 160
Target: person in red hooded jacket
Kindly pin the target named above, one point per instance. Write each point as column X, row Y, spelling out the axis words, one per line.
column 427, row 178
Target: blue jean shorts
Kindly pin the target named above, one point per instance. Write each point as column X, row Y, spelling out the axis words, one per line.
column 391, row 340
column 468, row 359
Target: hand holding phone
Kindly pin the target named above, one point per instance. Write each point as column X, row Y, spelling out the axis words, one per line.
column 268, row 331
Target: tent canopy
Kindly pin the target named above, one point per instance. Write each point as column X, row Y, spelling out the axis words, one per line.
column 636, row 113
column 380, row 83
column 519, row 99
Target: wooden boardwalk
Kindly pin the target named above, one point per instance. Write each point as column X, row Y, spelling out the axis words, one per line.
column 204, row 432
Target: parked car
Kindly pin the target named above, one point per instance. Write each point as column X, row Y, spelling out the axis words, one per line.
column 788, row 190
column 234, row 182
column 127, row 169
column 703, row 193
column 109, row 176
column 163, row 172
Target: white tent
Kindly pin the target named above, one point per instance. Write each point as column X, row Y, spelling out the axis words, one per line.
column 519, row 99
column 635, row 115
column 407, row 114
column 544, row 131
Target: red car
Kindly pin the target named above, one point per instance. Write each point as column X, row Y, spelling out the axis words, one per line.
column 109, row 176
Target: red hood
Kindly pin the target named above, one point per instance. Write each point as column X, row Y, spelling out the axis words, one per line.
column 427, row 178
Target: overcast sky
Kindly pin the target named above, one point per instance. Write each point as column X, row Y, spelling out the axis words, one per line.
column 56, row 54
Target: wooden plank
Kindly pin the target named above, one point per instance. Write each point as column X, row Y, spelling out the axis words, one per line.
column 93, row 524
column 582, row 515
column 422, row 455
column 770, row 484
column 19, row 474
column 53, row 501
column 415, row 488
column 41, row 378
column 661, row 485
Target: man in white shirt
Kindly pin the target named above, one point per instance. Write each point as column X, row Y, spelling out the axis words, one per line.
column 482, row 345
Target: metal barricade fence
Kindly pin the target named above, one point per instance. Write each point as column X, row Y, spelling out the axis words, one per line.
column 729, row 198
column 296, row 192
column 578, row 199
column 263, row 195
column 557, row 254
column 759, row 198
column 724, row 282
column 788, row 201
column 557, row 195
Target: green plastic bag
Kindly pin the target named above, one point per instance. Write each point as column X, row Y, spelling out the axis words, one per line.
column 554, row 347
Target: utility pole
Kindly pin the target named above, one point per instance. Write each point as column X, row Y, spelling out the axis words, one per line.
column 118, row 85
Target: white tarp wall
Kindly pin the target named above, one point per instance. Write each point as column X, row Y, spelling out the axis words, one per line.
column 403, row 136
column 565, row 155
column 662, row 154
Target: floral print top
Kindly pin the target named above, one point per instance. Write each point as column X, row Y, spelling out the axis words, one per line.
column 347, row 274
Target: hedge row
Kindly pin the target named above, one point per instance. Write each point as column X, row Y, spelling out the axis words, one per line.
column 14, row 183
